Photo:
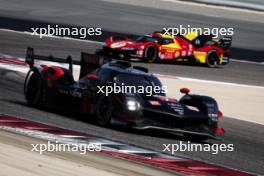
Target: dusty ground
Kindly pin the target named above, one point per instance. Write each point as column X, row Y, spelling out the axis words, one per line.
column 16, row 159
column 239, row 102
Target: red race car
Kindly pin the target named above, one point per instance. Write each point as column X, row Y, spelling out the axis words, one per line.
column 158, row 46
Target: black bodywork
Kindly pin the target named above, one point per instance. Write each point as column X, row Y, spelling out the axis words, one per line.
column 54, row 87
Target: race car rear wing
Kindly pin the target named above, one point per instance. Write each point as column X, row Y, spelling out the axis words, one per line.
column 30, row 59
column 88, row 63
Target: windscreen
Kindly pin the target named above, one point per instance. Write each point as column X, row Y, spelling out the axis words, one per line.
column 148, row 83
column 143, row 39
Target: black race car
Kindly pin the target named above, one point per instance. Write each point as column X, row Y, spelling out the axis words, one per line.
column 54, row 87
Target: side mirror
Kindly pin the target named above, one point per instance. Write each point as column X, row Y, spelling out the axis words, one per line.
column 92, row 77
column 185, row 90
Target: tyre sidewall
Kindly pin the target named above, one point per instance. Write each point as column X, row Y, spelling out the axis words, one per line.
column 212, row 59
column 104, row 119
column 32, row 88
column 39, row 97
column 146, row 58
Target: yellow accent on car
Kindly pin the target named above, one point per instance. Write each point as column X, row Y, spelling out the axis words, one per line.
column 191, row 36
column 177, row 54
column 200, row 56
column 174, row 45
column 166, row 36
column 171, row 47
column 215, row 39
column 221, row 59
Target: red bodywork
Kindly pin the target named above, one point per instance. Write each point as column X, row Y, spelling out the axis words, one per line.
column 119, row 42
column 181, row 49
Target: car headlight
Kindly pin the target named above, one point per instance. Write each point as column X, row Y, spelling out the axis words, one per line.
column 133, row 105
column 118, row 44
column 126, row 48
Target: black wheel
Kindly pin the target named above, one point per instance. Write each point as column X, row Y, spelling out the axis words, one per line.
column 151, row 54
column 34, row 90
column 195, row 138
column 101, row 52
column 212, row 59
column 104, row 110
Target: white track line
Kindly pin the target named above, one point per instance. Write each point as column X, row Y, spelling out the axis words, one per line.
column 223, row 7
column 51, row 36
column 246, row 61
column 16, row 68
column 24, row 69
column 209, row 81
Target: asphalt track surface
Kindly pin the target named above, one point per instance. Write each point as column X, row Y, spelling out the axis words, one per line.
column 15, row 44
column 248, row 138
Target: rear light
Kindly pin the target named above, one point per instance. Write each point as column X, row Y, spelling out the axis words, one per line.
column 176, row 54
column 220, row 115
column 92, row 76
column 219, row 131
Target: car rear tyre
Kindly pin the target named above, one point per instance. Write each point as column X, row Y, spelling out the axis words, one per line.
column 101, row 52
column 104, row 110
column 212, row 59
column 35, row 93
column 151, row 54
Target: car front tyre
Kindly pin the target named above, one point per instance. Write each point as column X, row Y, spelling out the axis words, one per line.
column 151, row 54
column 104, row 110
column 212, row 59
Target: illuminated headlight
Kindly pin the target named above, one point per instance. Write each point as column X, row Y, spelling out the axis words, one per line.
column 161, row 55
column 140, row 52
column 133, row 105
column 118, row 45
column 214, row 117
